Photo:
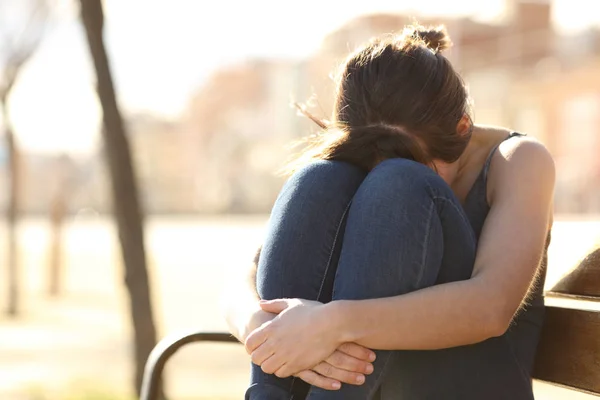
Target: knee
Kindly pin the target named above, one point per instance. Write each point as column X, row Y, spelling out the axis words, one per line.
column 401, row 167
column 324, row 170
column 326, row 176
column 402, row 176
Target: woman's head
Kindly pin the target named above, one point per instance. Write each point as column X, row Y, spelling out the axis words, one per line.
column 398, row 96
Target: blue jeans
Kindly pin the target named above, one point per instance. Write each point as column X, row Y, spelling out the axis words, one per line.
column 336, row 232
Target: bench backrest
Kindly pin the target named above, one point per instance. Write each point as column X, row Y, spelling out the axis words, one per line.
column 569, row 349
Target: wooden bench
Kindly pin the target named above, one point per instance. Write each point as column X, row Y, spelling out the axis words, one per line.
column 568, row 354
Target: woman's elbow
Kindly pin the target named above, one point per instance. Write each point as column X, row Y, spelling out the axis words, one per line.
column 498, row 320
column 498, row 327
column 495, row 310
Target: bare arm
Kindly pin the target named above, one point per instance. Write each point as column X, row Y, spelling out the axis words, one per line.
column 509, row 253
column 241, row 309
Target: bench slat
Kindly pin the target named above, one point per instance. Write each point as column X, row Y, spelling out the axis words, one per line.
column 584, row 281
column 569, row 349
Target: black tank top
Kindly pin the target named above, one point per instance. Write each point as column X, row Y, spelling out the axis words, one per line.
column 524, row 333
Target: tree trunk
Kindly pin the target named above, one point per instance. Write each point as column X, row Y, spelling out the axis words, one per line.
column 62, row 192
column 58, row 210
column 12, row 217
column 125, row 196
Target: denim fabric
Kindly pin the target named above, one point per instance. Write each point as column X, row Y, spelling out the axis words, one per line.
column 336, row 232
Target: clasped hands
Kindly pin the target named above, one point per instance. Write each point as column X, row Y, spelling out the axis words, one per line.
column 300, row 338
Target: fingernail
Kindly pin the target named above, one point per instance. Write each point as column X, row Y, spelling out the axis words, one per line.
column 336, row 385
column 372, row 357
column 360, row 379
column 369, row 368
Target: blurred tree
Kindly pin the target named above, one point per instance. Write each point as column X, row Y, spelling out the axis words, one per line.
column 22, row 27
column 59, row 204
column 125, row 195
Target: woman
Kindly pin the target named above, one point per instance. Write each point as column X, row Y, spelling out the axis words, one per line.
column 411, row 232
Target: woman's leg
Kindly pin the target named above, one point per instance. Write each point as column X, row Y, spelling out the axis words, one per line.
column 404, row 223
column 301, row 251
column 406, row 230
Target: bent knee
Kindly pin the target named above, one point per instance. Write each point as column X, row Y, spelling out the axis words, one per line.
column 326, row 175
column 403, row 166
column 320, row 169
column 403, row 174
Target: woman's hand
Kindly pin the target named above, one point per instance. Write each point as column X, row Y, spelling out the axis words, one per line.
column 298, row 339
column 256, row 320
column 348, row 364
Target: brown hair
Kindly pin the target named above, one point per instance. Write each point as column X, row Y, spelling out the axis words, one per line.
column 398, row 96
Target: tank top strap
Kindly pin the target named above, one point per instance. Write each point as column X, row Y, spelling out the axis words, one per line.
column 488, row 161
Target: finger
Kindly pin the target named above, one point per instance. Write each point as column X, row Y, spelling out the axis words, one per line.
column 344, row 361
column 256, row 338
column 274, row 306
column 312, row 378
column 261, row 354
column 357, row 351
column 271, row 365
column 329, row 371
column 283, row 372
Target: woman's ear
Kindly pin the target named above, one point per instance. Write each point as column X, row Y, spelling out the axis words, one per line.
column 465, row 125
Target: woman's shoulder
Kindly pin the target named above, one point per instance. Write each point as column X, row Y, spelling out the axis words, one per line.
column 519, row 159
column 521, row 148
column 510, row 142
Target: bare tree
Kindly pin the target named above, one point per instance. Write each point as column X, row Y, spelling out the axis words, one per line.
column 125, row 195
column 18, row 41
column 59, row 203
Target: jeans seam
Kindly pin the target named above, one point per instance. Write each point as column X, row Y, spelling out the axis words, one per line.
column 460, row 212
column 335, row 239
column 292, row 388
column 381, row 374
column 425, row 247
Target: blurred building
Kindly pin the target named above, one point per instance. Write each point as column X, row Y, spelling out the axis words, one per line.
column 562, row 105
column 489, row 56
column 84, row 182
column 43, row 177
column 236, row 131
column 157, row 146
column 239, row 123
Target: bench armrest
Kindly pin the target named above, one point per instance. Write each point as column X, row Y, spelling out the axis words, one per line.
column 165, row 349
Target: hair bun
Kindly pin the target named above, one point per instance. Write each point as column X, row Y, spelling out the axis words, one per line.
column 435, row 38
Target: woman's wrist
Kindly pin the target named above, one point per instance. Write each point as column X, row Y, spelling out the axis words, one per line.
column 339, row 313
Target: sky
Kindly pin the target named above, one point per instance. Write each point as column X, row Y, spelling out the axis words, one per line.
column 162, row 50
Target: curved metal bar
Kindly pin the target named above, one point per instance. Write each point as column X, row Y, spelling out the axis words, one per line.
column 165, row 349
